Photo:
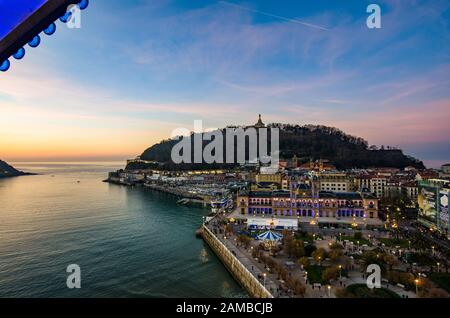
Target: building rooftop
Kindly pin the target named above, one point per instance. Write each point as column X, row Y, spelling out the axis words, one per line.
column 302, row 186
column 322, row 194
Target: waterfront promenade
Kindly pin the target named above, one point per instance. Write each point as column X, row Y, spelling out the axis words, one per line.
column 278, row 287
column 252, row 266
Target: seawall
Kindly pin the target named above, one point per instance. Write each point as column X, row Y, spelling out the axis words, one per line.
column 247, row 280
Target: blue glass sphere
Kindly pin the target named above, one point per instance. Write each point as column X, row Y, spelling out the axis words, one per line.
column 50, row 29
column 35, row 41
column 20, row 54
column 66, row 17
column 5, row 66
column 83, row 4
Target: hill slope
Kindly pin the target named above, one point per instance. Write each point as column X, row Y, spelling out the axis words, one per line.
column 306, row 142
column 8, row 171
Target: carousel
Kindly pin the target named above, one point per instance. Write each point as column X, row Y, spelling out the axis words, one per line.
column 269, row 238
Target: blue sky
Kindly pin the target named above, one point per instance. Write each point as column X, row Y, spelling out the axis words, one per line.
column 138, row 69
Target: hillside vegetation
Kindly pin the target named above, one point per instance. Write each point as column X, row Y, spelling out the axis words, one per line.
column 307, row 142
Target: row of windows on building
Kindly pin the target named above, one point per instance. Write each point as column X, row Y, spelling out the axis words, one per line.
column 333, row 186
column 306, row 213
column 303, row 204
column 334, row 189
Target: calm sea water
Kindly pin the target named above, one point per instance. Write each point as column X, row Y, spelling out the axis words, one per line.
column 129, row 242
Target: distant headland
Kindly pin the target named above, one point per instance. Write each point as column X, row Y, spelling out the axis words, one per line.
column 8, row 171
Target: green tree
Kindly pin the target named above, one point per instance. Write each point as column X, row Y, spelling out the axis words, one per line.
column 330, row 273
column 288, row 242
column 336, row 246
column 304, row 261
column 244, row 240
column 373, row 257
column 319, row 255
column 335, row 254
column 297, row 248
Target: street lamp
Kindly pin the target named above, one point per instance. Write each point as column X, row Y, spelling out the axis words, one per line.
column 432, row 249
column 264, row 275
column 329, row 291
column 416, row 281
column 438, row 265
column 340, row 271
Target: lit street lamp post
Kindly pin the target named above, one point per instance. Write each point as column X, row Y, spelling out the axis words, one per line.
column 340, row 272
column 264, row 275
column 416, row 281
column 329, row 291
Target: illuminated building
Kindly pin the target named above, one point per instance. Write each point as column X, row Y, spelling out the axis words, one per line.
column 433, row 204
column 335, row 181
column 326, row 207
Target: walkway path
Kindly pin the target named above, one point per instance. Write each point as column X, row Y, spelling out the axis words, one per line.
column 247, row 260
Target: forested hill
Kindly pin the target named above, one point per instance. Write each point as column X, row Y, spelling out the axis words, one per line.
column 8, row 171
column 307, row 142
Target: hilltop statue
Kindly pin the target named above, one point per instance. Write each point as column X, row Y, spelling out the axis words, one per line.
column 260, row 124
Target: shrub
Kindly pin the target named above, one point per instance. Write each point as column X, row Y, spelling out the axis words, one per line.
column 309, row 249
column 442, row 280
column 396, row 277
column 330, row 273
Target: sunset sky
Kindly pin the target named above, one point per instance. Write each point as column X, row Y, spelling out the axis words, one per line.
column 138, row 69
